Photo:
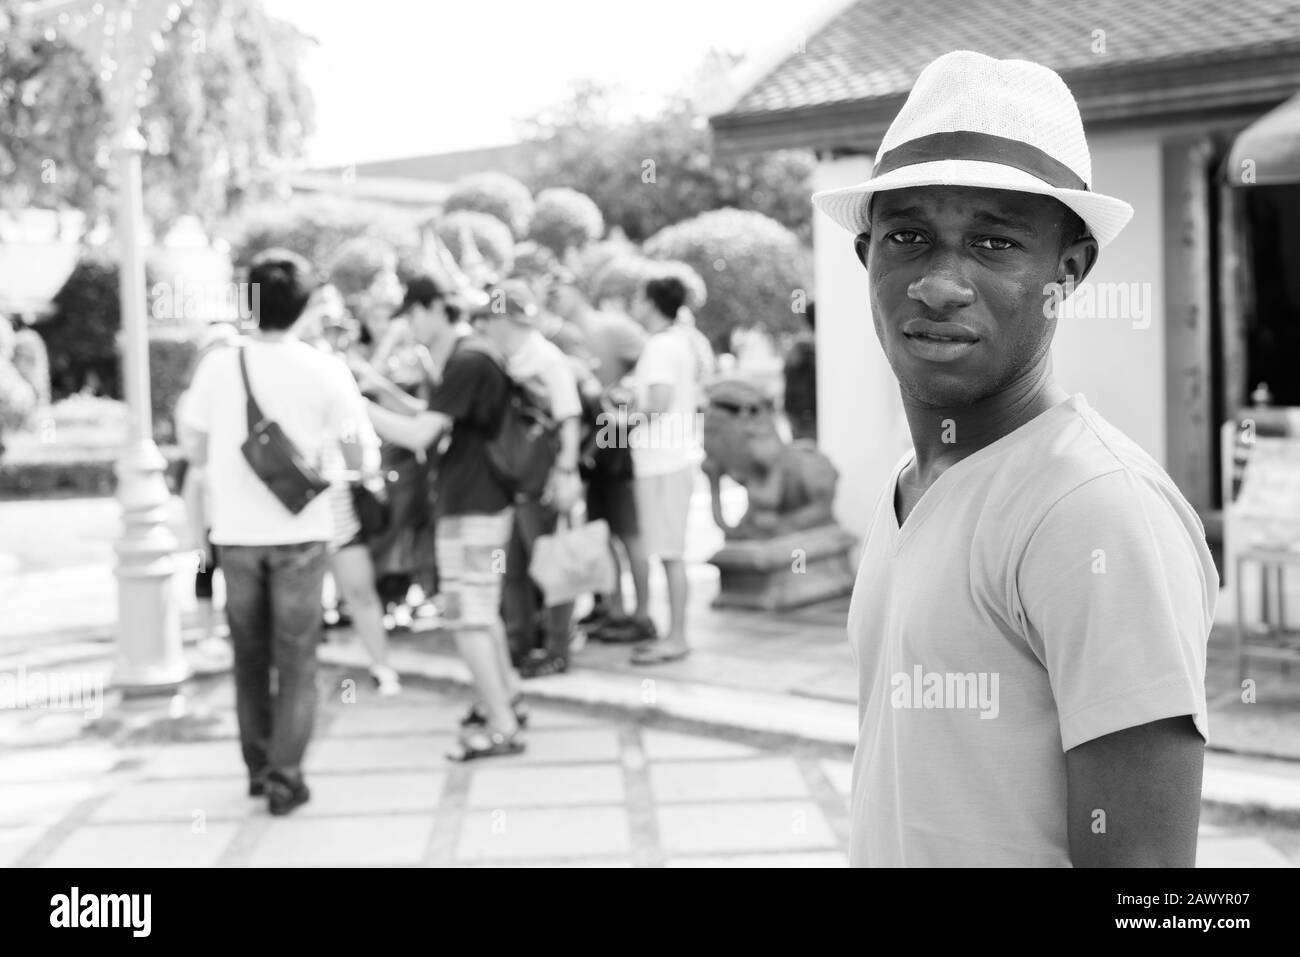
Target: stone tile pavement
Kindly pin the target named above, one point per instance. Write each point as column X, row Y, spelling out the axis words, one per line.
column 592, row 789
column 153, row 783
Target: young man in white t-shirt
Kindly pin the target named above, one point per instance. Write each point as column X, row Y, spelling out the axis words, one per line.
column 1031, row 614
column 666, row 450
column 273, row 560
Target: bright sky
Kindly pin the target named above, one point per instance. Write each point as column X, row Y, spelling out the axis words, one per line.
column 403, row 77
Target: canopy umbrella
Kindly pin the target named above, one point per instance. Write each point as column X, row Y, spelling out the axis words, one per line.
column 1267, row 153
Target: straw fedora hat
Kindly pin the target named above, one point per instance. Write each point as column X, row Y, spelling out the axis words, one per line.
column 971, row 120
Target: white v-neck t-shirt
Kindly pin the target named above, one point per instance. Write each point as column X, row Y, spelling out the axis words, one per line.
column 1050, row 588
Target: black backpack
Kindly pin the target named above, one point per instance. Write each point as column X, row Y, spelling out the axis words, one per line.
column 524, row 448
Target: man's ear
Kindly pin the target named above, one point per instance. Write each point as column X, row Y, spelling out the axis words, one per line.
column 862, row 243
column 1077, row 260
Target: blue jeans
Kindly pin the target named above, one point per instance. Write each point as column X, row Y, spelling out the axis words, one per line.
column 273, row 607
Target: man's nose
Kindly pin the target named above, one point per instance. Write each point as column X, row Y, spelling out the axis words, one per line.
column 942, row 286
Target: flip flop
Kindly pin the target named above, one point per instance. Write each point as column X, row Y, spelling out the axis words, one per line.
column 653, row 654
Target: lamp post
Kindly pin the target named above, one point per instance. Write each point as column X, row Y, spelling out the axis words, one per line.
column 119, row 38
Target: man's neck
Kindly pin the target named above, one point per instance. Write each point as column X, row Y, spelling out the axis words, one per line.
column 944, row 436
column 657, row 323
column 271, row 335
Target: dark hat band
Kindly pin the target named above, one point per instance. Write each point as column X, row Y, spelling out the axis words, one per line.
column 980, row 148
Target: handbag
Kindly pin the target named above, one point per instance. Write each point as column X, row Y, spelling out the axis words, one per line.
column 573, row 561
column 274, row 458
column 373, row 507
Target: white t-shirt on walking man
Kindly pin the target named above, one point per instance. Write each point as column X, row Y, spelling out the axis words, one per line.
column 313, row 397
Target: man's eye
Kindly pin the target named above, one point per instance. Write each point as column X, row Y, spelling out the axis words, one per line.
column 999, row 244
column 905, row 237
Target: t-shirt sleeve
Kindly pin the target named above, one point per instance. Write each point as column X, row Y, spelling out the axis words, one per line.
column 1117, row 596
column 656, row 366
column 563, row 387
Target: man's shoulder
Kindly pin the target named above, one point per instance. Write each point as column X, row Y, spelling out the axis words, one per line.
column 475, row 356
column 1082, row 463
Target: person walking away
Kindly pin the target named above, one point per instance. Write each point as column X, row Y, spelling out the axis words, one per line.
column 273, row 560
column 667, row 454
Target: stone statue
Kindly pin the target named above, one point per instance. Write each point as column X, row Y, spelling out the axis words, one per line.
column 790, row 486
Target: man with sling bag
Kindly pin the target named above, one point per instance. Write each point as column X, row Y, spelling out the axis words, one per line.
column 261, row 416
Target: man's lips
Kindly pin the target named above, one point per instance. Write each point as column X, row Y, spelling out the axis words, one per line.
column 929, row 330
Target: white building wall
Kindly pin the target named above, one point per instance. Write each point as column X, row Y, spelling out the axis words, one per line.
column 1116, row 363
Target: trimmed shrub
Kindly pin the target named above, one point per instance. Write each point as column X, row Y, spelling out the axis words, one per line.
column 490, row 235
column 317, row 226
column 565, row 219
column 754, row 269
column 171, row 359
column 355, row 264
column 89, row 473
column 588, row 263
column 623, row 275
column 495, row 194
column 619, row 278
column 81, row 335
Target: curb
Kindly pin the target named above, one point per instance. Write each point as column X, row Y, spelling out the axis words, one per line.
column 706, row 707
column 1263, row 788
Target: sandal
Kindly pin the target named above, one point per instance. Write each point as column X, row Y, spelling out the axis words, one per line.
column 476, row 717
column 542, row 664
column 657, row 653
column 624, row 631
column 482, row 743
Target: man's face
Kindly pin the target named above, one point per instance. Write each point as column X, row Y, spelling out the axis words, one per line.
column 564, row 300
column 957, row 278
column 488, row 324
column 641, row 308
column 376, row 305
column 428, row 322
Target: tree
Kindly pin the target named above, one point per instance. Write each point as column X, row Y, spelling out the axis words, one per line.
column 565, row 219
column 316, row 226
column 753, row 267
column 647, row 174
column 496, row 194
column 81, row 335
column 225, row 103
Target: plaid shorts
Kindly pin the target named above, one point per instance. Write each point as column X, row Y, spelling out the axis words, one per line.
column 471, row 552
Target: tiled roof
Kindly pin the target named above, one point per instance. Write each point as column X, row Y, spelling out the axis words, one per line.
column 875, row 48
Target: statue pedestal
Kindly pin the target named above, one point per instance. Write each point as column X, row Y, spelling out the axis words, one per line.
column 787, row 571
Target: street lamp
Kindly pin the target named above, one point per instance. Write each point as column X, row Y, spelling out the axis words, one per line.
column 120, row 38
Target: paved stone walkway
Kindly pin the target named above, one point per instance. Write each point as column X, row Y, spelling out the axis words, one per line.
column 145, row 787
column 590, row 790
